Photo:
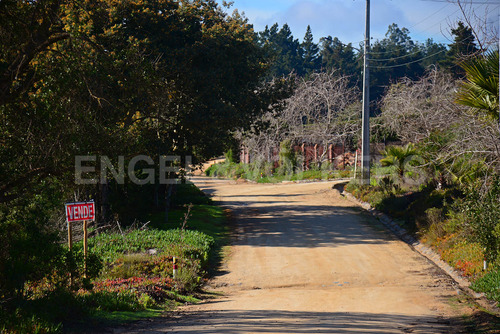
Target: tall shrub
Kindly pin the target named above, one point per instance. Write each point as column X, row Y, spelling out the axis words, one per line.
column 287, row 158
column 484, row 217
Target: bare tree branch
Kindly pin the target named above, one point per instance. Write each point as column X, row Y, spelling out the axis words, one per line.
column 323, row 110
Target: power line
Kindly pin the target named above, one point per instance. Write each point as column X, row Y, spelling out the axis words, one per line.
column 440, row 9
column 423, row 49
column 416, row 24
column 412, row 53
column 400, row 57
column 439, row 22
column 448, row 2
column 410, row 62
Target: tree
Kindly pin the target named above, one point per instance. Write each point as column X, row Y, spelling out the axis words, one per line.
column 337, row 56
column 463, row 43
column 433, row 53
column 481, row 25
column 392, row 58
column 311, row 55
column 414, row 110
column 28, row 29
column 283, row 50
column 324, row 109
column 155, row 64
column 461, row 49
column 399, row 37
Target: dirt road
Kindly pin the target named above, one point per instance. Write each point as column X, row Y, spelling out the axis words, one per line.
column 305, row 260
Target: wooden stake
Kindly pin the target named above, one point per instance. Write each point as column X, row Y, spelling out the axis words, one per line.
column 85, row 248
column 70, row 245
column 70, row 238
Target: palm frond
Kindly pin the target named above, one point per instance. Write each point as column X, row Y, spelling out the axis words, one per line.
column 480, row 88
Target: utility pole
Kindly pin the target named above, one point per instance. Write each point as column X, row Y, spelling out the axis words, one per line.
column 365, row 137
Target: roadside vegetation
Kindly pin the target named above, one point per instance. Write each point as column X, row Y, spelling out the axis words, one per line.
column 266, row 172
column 129, row 271
column 444, row 184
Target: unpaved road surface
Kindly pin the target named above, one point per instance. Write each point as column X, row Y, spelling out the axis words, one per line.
column 306, row 260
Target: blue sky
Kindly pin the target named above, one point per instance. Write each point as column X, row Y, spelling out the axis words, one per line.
column 345, row 18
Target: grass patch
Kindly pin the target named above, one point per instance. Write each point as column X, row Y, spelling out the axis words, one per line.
column 208, row 219
column 118, row 317
column 110, row 246
column 489, row 284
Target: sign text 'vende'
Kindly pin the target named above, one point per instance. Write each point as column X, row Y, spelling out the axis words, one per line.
column 80, row 211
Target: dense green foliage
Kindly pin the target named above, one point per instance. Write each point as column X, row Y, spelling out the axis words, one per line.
column 110, row 78
column 123, row 78
column 483, row 213
column 287, row 159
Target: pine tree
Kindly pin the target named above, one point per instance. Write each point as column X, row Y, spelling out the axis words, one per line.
column 290, row 58
column 464, row 42
column 310, row 51
column 283, row 51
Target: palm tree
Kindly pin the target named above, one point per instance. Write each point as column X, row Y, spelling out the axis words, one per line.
column 400, row 158
column 480, row 88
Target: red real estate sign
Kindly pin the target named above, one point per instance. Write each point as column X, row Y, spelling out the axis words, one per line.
column 80, row 211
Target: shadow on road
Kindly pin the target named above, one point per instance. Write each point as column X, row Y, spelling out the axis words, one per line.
column 266, row 321
column 296, row 225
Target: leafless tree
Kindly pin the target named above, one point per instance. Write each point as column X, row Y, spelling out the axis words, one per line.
column 414, row 109
column 482, row 20
column 324, row 110
column 425, row 110
column 476, row 136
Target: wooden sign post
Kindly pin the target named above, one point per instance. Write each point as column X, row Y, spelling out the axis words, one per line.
column 81, row 211
column 70, row 245
column 85, row 248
